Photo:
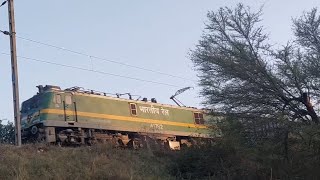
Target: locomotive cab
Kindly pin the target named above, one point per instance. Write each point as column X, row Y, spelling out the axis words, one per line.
column 31, row 116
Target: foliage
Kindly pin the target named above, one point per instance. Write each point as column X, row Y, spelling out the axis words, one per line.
column 234, row 157
column 269, row 95
column 7, row 134
column 241, row 72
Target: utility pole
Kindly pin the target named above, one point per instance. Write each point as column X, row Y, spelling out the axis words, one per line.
column 14, row 69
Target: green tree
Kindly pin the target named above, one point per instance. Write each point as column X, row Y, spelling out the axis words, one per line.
column 269, row 92
column 7, row 134
column 241, row 72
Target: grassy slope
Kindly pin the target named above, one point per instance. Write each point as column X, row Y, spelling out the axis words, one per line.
column 97, row 162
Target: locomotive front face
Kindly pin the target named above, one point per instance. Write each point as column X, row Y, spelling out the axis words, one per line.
column 30, row 110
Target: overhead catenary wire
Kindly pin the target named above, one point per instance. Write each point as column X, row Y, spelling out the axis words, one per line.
column 102, row 59
column 92, row 70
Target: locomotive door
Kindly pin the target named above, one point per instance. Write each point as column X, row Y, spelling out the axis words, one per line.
column 69, row 107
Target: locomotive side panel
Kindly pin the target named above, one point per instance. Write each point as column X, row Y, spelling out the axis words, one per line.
column 144, row 117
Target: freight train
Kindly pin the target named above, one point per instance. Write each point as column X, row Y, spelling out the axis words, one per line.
column 75, row 116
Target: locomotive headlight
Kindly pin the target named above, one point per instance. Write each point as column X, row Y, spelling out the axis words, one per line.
column 34, row 130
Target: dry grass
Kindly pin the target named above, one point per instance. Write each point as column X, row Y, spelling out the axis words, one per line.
column 96, row 162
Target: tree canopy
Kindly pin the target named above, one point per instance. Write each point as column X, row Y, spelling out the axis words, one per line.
column 7, row 134
column 269, row 94
column 242, row 73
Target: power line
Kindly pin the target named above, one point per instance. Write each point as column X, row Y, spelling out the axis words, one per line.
column 91, row 70
column 5, row 32
column 100, row 58
column 3, row 3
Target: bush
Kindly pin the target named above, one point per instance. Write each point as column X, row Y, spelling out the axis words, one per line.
column 7, row 134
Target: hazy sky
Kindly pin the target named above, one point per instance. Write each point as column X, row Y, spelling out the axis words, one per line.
column 155, row 35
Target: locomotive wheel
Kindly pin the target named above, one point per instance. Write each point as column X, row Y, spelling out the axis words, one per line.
column 69, row 137
column 136, row 144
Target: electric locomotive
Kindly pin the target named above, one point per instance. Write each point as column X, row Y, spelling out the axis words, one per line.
column 77, row 116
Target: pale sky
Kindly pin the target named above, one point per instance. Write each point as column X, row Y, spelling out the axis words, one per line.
column 156, row 35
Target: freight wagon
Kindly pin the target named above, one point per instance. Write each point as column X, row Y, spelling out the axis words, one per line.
column 76, row 116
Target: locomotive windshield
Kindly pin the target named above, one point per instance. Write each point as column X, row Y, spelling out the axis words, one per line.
column 32, row 103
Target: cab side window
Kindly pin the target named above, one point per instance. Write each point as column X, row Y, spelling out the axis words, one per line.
column 57, row 99
column 198, row 118
column 133, row 109
column 68, row 99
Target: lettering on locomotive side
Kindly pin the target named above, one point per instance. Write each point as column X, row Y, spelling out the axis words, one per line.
column 156, row 126
column 165, row 111
column 154, row 110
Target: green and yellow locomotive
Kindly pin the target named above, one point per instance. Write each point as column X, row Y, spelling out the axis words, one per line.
column 77, row 116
